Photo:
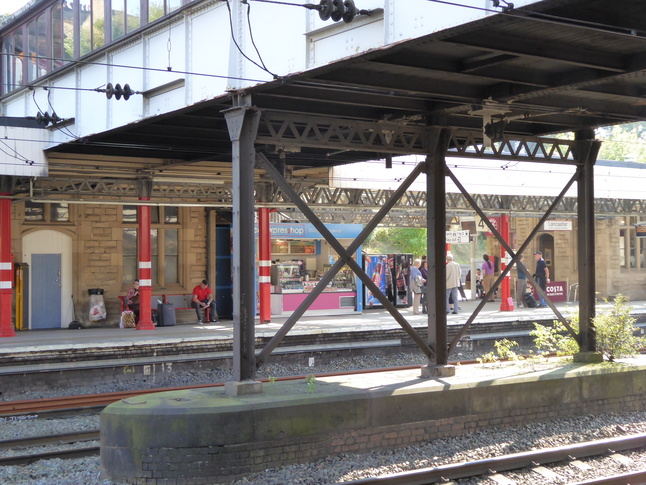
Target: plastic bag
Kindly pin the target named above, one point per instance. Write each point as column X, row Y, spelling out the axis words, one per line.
column 97, row 308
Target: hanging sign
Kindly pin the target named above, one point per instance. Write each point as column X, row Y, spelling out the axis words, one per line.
column 457, row 237
column 640, row 230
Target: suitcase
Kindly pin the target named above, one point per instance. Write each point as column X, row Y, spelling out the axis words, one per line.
column 166, row 315
column 530, row 301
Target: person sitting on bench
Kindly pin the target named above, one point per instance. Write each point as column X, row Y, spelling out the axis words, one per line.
column 203, row 298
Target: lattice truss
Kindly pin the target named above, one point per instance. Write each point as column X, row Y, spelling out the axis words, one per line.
column 333, row 205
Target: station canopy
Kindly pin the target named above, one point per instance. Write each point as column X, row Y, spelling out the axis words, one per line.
column 551, row 67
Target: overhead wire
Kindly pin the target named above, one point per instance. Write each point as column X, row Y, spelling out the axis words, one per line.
column 235, row 42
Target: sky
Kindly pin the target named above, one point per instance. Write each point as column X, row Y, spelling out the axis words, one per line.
column 11, row 6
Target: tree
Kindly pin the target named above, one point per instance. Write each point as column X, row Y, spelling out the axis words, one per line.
column 623, row 142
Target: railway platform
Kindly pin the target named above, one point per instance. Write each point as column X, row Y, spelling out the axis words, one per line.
column 489, row 320
column 48, row 351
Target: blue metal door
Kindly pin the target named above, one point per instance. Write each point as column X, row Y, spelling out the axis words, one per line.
column 45, row 291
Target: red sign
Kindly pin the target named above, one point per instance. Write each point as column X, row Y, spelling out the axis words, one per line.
column 556, row 291
column 495, row 222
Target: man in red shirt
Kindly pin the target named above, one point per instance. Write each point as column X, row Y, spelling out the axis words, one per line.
column 203, row 298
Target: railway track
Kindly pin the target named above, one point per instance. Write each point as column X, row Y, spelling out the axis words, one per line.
column 535, row 460
column 96, row 402
column 65, row 439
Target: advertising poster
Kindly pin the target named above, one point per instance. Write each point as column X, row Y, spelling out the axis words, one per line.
column 375, row 267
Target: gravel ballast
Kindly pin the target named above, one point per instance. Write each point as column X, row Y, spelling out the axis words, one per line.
column 333, row 469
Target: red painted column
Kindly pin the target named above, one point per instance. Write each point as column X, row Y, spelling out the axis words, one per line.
column 145, row 267
column 264, row 270
column 6, row 273
column 507, row 303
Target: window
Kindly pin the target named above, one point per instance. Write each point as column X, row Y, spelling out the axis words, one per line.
column 632, row 249
column 164, row 242
column 54, row 212
column 68, row 29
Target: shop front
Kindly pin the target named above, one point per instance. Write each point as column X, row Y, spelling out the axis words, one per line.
column 300, row 257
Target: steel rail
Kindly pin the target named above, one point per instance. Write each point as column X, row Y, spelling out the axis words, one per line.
column 63, row 454
column 508, row 462
column 634, row 478
column 49, row 439
column 9, row 409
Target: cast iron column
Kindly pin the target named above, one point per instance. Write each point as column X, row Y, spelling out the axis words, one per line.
column 436, row 251
column 6, row 273
column 242, row 122
column 144, row 187
column 586, row 152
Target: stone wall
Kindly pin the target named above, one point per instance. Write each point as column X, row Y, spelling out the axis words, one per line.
column 208, row 437
column 97, row 233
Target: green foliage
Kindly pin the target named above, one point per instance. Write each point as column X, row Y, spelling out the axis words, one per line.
column 311, row 383
column 271, row 379
column 384, row 240
column 503, row 351
column 615, row 331
column 554, row 339
column 623, row 142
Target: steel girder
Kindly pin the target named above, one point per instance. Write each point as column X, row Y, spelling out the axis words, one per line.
column 332, row 205
column 297, row 131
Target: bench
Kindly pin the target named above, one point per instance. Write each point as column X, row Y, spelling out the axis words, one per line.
column 182, row 301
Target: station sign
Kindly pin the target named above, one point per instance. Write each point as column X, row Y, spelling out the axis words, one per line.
column 640, row 230
column 557, row 225
column 481, row 226
column 457, row 237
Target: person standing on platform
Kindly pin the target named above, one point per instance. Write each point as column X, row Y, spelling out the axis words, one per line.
column 424, row 270
column 542, row 276
column 488, row 271
column 416, row 285
column 452, row 282
column 521, row 283
column 203, row 298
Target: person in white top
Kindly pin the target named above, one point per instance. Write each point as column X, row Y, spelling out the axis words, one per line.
column 452, row 282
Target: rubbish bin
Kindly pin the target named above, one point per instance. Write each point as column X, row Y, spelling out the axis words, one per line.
column 97, row 305
column 166, row 314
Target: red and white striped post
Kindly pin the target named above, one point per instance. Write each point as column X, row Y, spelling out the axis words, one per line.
column 506, row 303
column 264, row 264
column 145, row 267
column 6, row 273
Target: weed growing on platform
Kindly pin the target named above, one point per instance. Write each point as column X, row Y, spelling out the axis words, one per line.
column 555, row 339
column 503, row 351
column 615, row 331
column 311, row 383
column 271, row 379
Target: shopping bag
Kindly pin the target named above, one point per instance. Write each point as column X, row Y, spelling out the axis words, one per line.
column 127, row 319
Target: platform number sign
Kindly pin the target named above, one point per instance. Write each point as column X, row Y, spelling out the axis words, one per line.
column 481, row 226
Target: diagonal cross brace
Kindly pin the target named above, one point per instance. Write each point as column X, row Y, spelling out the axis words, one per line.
column 344, row 258
column 514, row 256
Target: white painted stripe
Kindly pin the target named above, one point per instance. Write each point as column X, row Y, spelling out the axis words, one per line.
column 5, row 285
column 264, row 262
column 145, row 282
column 264, row 279
column 145, row 264
column 5, row 266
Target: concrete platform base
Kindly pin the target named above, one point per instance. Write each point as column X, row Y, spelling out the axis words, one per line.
column 588, row 357
column 235, row 388
column 429, row 371
column 207, row 436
